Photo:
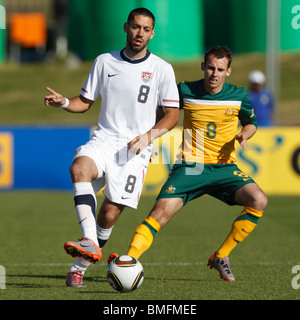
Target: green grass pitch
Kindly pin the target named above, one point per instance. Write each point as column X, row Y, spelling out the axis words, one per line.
column 35, row 225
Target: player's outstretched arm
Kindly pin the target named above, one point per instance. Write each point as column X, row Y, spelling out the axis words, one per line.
column 75, row 105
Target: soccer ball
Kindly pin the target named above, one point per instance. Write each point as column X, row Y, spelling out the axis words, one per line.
column 125, row 273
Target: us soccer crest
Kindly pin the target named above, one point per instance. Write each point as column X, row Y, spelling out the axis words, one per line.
column 146, row 76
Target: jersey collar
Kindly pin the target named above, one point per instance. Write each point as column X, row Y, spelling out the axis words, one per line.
column 137, row 60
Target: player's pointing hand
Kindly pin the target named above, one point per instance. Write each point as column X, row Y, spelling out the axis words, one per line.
column 54, row 99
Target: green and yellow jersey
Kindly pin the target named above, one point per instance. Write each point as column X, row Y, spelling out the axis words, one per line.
column 211, row 121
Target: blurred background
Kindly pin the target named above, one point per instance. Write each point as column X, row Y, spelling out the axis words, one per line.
column 54, row 42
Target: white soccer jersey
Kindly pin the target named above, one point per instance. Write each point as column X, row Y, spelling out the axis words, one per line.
column 131, row 91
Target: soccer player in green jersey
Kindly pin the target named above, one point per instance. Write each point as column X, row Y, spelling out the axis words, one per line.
column 214, row 107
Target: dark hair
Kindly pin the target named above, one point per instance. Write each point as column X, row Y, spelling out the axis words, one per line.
column 140, row 11
column 219, row 52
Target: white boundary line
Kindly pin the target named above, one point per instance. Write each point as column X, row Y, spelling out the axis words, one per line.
column 180, row 264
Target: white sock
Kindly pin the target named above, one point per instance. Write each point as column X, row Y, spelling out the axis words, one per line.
column 103, row 235
column 80, row 265
column 85, row 206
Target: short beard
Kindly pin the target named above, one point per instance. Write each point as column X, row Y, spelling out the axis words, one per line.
column 135, row 49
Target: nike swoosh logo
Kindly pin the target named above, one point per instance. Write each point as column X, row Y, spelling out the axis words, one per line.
column 82, row 220
column 125, row 197
column 140, row 234
column 245, row 179
column 112, row 75
column 84, row 246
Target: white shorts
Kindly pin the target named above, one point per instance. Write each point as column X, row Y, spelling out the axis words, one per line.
column 121, row 173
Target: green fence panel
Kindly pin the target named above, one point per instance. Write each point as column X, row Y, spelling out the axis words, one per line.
column 97, row 26
column 2, row 32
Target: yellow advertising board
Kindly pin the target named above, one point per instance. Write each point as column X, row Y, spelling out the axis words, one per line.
column 6, row 160
column 272, row 159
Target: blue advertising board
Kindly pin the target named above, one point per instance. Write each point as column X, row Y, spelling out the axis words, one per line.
column 38, row 157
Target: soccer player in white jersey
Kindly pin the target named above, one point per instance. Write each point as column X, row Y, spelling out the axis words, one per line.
column 133, row 83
